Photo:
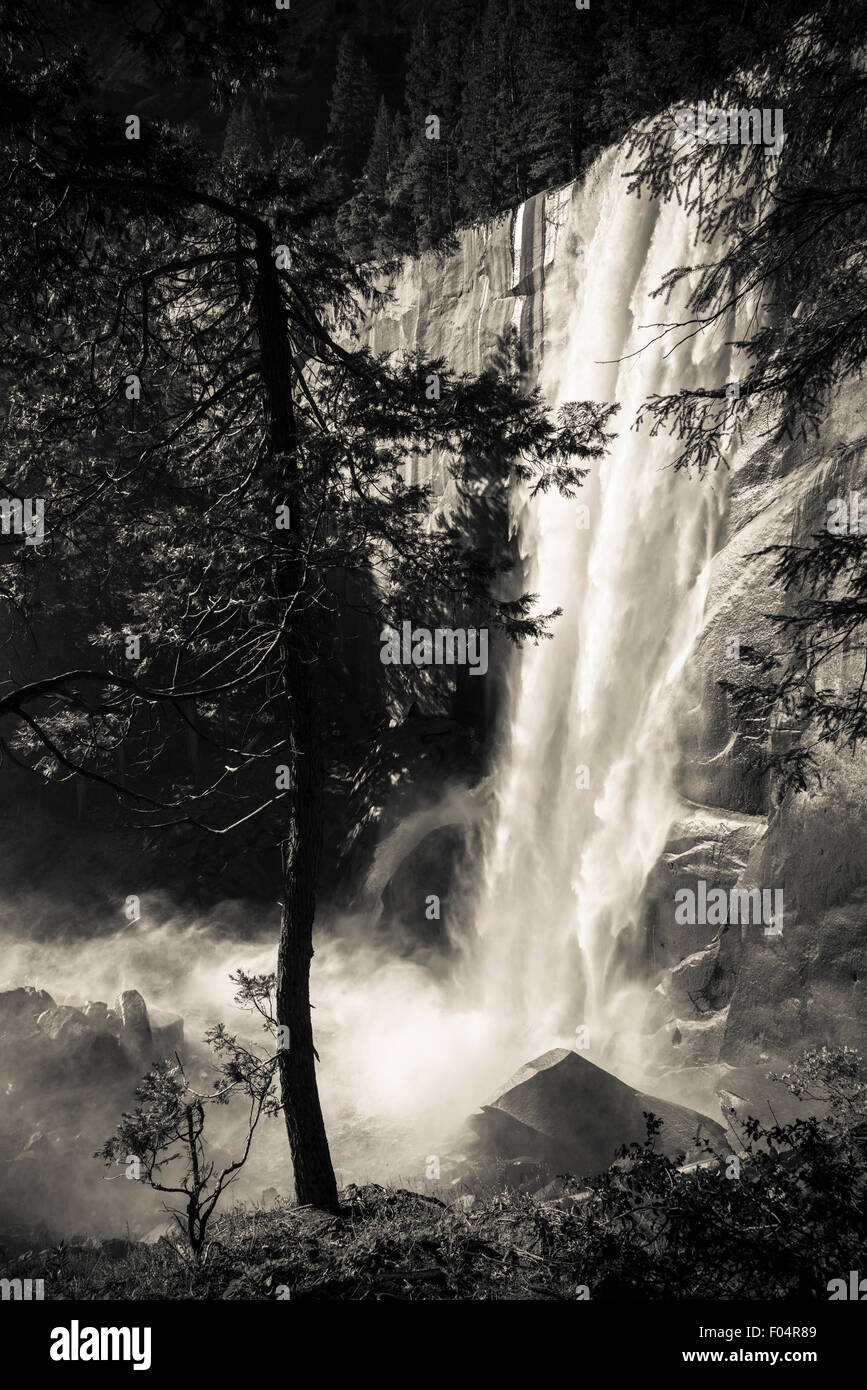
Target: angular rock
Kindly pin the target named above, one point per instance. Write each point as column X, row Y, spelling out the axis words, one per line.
column 20, row 1008
column 62, row 1023
column 563, row 1110
column 704, row 980
column 432, row 866
column 79, row 1049
column 135, row 1030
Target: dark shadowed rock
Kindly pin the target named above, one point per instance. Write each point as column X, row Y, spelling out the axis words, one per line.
column 135, row 1029
column 81, row 1050
column 20, row 1008
column 563, row 1110
column 415, row 782
column 63, row 1023
column 431, row 867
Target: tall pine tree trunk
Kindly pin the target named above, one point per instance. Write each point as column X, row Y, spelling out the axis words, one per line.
column 301, row 848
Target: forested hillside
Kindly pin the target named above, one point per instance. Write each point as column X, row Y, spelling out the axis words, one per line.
column 427, row 117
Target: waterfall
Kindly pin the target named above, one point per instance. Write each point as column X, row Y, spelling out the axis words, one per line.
column 558, row 943
column 549, row 939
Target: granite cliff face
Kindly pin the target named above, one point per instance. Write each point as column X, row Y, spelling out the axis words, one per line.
column 461, row 306
column 721, row 999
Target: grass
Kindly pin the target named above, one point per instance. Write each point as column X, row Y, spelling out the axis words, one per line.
column 387, row 1243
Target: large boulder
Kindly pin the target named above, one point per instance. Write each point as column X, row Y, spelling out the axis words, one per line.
column 65, row 1024
column 136, row 1037
column 432, row 866
column 20, row 1008
column 80, row 1049
column 703, row 844
column 563, row 1110
column 691, row 1042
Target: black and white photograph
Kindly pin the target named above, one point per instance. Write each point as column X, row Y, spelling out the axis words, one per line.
column 433, row 674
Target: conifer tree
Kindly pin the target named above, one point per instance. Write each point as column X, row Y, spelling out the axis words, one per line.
column 352, row 109
column 421, row 182
column 377, row 170
column 482, row 182
column 562, row 58
column 401, row 226
column 365, row 224
column 242, row 139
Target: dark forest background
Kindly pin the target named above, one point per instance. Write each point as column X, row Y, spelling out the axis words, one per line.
column 526, row 93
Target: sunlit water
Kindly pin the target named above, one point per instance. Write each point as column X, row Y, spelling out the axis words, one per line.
column 585, row 786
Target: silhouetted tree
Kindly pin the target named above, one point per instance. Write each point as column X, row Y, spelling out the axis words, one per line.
column 352, row 109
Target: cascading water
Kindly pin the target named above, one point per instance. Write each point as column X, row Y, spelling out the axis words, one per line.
column 557, row 896
column 584, row 792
